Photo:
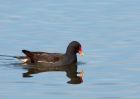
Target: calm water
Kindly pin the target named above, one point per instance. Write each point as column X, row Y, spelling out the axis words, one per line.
column 109, row 31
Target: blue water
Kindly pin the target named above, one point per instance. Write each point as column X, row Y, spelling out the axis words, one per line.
column 107, row 29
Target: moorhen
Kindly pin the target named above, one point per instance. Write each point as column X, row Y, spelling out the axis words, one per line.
column 53, row 59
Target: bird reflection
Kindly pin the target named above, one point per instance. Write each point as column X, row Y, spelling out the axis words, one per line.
column 71, row 72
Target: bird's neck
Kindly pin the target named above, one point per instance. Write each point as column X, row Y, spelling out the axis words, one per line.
column 71, row 54
column 70, row 51
column 72, row 58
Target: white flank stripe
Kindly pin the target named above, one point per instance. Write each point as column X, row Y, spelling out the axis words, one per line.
column 44, row 62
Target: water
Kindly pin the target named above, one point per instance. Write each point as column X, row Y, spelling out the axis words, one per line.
column 108, row 31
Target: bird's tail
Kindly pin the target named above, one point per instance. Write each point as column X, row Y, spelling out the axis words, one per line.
column 29, row 55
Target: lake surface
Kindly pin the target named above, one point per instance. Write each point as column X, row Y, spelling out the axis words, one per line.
column 109, row 31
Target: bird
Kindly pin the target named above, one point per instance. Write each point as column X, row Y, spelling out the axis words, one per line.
column 53, row 59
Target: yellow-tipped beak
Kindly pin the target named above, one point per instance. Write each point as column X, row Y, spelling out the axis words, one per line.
column 81, row 52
